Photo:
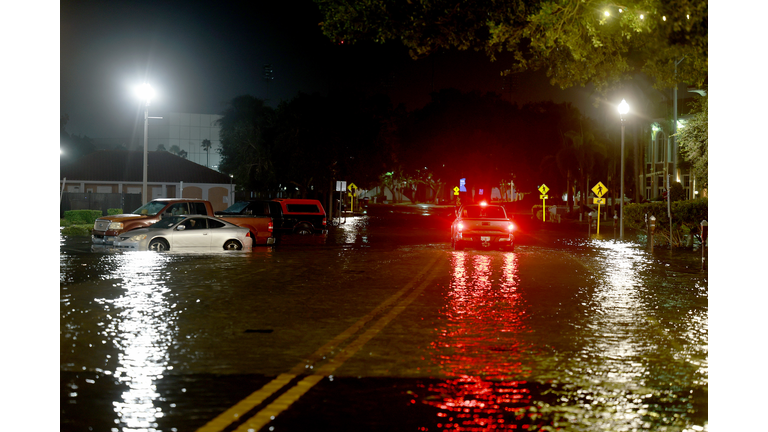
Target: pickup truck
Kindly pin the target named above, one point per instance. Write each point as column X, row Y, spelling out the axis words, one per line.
column 289, row 215
column 107, row 228
column 482, row 225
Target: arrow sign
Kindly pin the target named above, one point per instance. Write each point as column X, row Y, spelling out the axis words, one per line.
column 352, row 187
column 598, row 200
column 543, row 189
column 599, row 189
column 543, row 197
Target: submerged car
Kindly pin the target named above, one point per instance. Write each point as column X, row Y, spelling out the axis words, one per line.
column 482, row 225
column 188, row 231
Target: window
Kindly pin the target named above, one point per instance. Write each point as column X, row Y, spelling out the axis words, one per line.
column 198, row 208
column 215, row 224
column 194, row 223
column 302, row 208
column 178, row 209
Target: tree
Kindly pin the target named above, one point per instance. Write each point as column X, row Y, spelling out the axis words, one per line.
column 244, row 151
column 693, row 141
column 73, row 146
column 207, row 147
column 161, row 148
column 576, row 42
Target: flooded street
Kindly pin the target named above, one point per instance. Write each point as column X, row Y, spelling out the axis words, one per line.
column 380, row 326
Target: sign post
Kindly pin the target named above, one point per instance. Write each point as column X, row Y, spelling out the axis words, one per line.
column 341, row 186
column 543, row 189
column 599, row 190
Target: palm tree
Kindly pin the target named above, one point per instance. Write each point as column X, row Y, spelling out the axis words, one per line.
column 206, row 146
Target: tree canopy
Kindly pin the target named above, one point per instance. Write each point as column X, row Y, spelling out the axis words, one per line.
column 693, row 141
column 575, row 42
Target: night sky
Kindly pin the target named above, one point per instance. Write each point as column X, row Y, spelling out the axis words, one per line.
column 198, row 56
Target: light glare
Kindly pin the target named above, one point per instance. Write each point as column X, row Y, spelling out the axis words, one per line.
column 145, row 92
column 607, row 13
column 623, row 107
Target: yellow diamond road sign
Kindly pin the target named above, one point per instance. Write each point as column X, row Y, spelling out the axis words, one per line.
column 599, row 189
column 543, row 189
column 456, row 190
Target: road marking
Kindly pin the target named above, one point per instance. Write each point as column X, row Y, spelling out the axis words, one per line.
column 225, row 419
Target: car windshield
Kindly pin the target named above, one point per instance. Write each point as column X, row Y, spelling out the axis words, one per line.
column 236, row 207
column 167, row 222
column 151, row 208
column 490, row 212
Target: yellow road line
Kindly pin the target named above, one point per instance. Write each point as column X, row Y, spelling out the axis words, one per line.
column 233, row 414
column 282, row 403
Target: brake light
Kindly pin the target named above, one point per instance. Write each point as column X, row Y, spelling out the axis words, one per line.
column 270, row 226
column 483, row 203
column 248, row 234
column 511, row 227
column 323, row 221
column 460, row 226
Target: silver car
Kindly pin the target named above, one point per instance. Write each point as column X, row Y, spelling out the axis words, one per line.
column 189, row 231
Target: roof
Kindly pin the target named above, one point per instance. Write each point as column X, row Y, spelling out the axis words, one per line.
column 125, row 166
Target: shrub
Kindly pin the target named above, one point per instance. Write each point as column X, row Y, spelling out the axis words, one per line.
column 686, row 218
column 114, row 211
column 77, row 230
column 79, row 217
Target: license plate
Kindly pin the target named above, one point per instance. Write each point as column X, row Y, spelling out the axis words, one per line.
column 485, row 239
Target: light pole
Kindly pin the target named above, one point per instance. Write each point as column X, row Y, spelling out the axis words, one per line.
column 231, row 192
column 145, row 92
column 623, row 110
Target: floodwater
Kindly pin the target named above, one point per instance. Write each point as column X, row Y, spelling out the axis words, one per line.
column 565, row 333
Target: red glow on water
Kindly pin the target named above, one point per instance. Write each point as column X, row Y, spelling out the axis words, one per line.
column 482, row 346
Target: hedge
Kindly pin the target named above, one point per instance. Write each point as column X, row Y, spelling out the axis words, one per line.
column 114, row 211
column 80, row 217
column 686, row 218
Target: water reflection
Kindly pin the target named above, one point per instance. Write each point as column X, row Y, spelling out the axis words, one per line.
column 142, row 329
column 481, row 345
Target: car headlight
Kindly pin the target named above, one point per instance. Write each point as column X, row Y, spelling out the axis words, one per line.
column 115, row 226
column 137, row 237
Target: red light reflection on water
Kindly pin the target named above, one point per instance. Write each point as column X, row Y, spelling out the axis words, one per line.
column 481, row 345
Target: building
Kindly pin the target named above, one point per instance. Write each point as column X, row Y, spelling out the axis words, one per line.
column 183, row 130
column 168, row 176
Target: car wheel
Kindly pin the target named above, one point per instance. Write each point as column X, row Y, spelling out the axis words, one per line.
column 303, row 229
column 232, row 245
column 158, row 245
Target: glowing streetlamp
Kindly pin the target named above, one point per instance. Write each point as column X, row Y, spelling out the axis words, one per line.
column 623, row 110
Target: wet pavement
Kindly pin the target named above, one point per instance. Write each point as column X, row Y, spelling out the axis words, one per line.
column 379, row 325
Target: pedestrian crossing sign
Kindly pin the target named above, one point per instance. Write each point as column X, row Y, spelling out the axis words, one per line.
column 599, row 189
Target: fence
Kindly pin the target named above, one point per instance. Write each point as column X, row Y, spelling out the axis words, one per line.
column 99, row 201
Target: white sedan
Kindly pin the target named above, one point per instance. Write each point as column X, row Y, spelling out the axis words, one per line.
column 190, row 231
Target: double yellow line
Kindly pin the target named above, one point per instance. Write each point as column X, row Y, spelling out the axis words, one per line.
column 295, row 391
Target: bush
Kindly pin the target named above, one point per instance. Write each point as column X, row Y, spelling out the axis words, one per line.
column 79, row 217
column 686, row 218
column 114, row 211
column 77, row 230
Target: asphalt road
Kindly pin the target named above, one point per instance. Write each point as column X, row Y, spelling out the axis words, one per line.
column 379, row 325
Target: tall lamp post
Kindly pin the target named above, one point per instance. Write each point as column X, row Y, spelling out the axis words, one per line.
column 623, row 110
column 145, row 93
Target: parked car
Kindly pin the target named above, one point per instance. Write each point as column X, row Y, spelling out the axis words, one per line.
column 188, row 231
column 300, row 216
column 482, row 225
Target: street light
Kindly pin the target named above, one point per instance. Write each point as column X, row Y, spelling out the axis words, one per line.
column 145, row 93
column 623, row 110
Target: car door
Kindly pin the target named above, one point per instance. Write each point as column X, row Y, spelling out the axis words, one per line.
column 195, row 233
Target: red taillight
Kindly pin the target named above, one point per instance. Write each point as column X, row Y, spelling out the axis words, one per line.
column 270, row 226
column 248, row 234
column 483, row 203
column 511, row 227
column 323, row 221
column 460, row 226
